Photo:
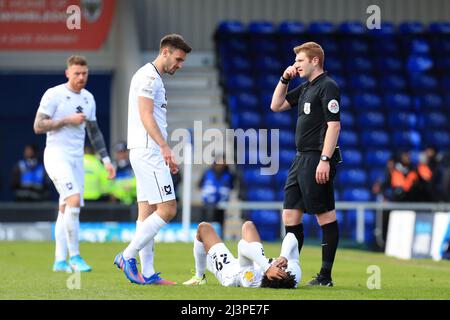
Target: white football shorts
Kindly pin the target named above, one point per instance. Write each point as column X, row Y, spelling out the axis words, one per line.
column 67, row 173
column 224, row 266
column 153, row 180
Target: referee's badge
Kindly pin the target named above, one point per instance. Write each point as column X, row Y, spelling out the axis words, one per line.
column 307, row 108
column 333, row 106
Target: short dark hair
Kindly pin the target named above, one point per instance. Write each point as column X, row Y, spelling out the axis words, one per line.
column 175, row 41
column 76, row 60
column 286, row 283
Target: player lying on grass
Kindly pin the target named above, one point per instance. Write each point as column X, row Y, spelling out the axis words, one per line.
column 252, row 268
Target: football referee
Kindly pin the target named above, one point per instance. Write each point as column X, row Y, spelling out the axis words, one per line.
column 309, row 186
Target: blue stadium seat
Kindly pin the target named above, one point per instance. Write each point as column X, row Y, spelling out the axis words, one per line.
column 367, row 101
column 321, row 27
column 267, row 81
column 386, row 29
column 348, row 139
column 279, row 195
column 262, row 35
column 443, row 63
column 419, row 46
column 440, row 45
column 377, row 174
column 280, row 178
column 264, row 63
column 352, row 157
column 371, row 119
column 359, row 64
column 261, row 27
column 330, row 46
column 235, row 63
column 231, row 26
column 287, row 157
column 439, row 27
column 240, row 82
column 346, row 102
column 434, row 120
column 363, row 82
column 389, row 64
column 407, row 139
column 352, row 27
column 386, row 46
column 414, row 156
column 341, row 81
column 243, row 101
column 337, row 197
column 355, row 47
column 423, row 83
column 287, row 139
column 231, row 35
column 260, row 194
column 356, row 194
column 352, row 177
column 447, row 101
column 440, row 139
column 377, row 157
column 347, row 119
column 419, row 63
column 403, row 120
column 253, row 178
column 265, row 99
column 397, row 101
column 333, row 64
column 291, row 27
column 445, row 84
column 429, row 101
column 411, row 27
column 268, row 223
column 375, row 138
column 393, row 83
column 277, row 120
column 249, row 119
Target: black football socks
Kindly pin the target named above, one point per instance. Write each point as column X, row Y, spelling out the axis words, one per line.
column 330, row 239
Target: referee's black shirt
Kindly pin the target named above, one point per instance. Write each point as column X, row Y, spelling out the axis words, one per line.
column 318, row 102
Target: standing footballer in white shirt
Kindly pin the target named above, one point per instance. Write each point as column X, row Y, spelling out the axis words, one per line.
column 65, row 111
column 151, row 159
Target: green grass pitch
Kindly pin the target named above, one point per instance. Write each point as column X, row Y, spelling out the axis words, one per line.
column 26, row 274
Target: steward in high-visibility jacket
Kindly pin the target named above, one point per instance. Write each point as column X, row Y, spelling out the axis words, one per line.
column 96, row 183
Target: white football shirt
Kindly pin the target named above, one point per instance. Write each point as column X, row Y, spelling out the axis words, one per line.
column 59, row 102
column 146, row 82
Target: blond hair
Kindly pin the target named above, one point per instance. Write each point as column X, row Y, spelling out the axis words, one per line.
column 311, row 50
column 76, row 60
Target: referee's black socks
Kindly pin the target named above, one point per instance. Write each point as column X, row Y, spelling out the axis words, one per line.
column 330, row 239
column 297, row 230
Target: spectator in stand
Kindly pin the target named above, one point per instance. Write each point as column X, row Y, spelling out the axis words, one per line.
column 124, row 185
column 96, row 182
column 29, row 181
column 404, row 179
column 216, row 185
column 428, row 176
column 444, row 167
column 382, row 186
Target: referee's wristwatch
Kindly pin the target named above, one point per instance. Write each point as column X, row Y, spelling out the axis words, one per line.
column 283, row 80
column 324, row 158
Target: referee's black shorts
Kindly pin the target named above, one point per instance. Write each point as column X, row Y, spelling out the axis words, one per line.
column 301, row 190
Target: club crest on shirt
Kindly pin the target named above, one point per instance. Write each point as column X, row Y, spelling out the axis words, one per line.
column 168, row 190
column 333, row 106
column 249, row 275
column 307, row 108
